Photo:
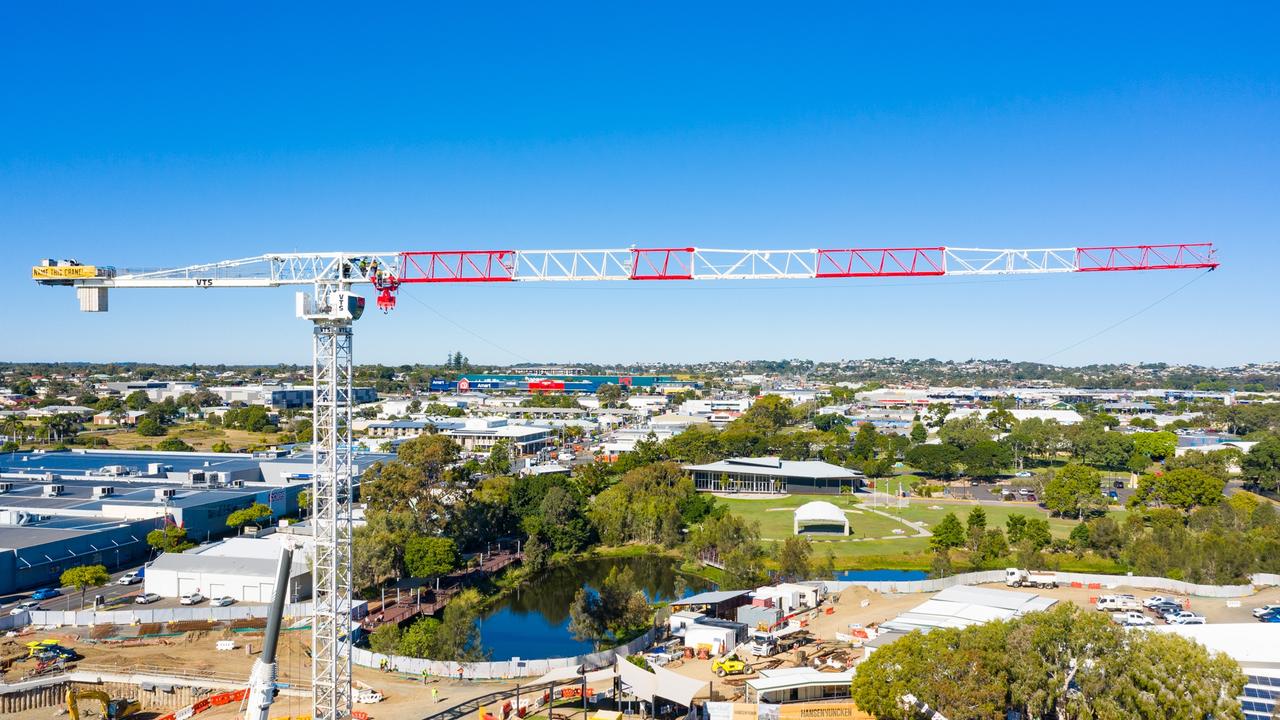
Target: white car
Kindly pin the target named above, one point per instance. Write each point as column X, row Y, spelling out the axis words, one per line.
column 191, row 598
column 1023, row 474
column 146, row 599
column 24, row 606
column 129, row 578
column 1265, row 609
column 1132, row 618
column 1186, row 617
column 223, row 601
column 1155, row 600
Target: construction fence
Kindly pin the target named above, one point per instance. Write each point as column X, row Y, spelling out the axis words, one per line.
column 87, row 618
column 1066, row 578
column 514, row 668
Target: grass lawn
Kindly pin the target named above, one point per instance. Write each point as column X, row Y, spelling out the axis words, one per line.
column 871, row 543
column 199, row 436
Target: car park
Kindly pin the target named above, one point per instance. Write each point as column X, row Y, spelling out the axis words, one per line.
column 223, row 601
column 45, row 593
column 146, row 599
column 24, row 606
column 1186, row 617
column 191, row 599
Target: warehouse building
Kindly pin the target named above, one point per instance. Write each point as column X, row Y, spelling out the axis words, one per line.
column 283, row 397
column 242, row 568
column 774, row 475
column 63, row 509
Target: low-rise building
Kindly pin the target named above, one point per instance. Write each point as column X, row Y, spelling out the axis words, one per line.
column 774, row 475
column 241, row 568
column 482, row 433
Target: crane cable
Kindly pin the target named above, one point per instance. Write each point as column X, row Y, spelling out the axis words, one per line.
column 1127, row 318
column 462, row 327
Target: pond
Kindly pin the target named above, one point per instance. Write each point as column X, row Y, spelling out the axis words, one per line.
column 533, row 622
column 882, row 575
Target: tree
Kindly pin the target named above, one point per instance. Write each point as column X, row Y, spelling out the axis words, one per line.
column 617, row 612
column 769, row 412
column 499, row 460
column 609, row 395
column 430, row 556
column 827, row 421
column 1036, row 535
column 934, row 460
column 385, row 639
column 222, row 446
column 1074, row 490
column 249, row 515
column 1261, row 465
column 965, row 432
column 1183, row 489
column 992, row 546
column 1062, row 663
column 150, row 427
column 458, row 636
column 137, row 400
column 793, row 558
column 864, row 443
column 947, row 533
column 918, row 433
column 1155, row 445
column 171, row 538
column 936, row 414
column 83, row 577
column 985, row 459
column 174, row 445
column 1014, row 526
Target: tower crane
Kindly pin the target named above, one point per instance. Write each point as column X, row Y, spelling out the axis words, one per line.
column 330, row 300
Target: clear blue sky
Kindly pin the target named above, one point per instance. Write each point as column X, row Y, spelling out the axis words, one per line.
column 153, row 135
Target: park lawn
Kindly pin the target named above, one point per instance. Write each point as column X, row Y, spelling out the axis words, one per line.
column 921, row 510
column 199, row 436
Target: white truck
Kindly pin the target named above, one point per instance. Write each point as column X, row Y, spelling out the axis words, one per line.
column 1119, row 603
column 766, row 644
column 1014, row 577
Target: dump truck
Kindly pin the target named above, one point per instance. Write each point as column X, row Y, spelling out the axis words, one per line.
column 1014, row 577
column 766, row 644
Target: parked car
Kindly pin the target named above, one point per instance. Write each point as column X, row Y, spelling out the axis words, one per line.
column 223, row 601
column 1132, row 618
column 1023, row 474
column 130, row 578
column 24, row 606
column 1113, row 494
column 191, row 598
column 1118, row 484
column 1155, row 600
column 1166, row 608
column 45, row 593
column 146, row 599
column 1273, row 617
column 1265, row 610
column 1186, row 617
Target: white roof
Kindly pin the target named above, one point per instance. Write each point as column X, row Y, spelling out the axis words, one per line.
column 822, row 511
column 776, row 467
column 806, row 678
column 661, row 683
column 961, row 606
column 1243, row 642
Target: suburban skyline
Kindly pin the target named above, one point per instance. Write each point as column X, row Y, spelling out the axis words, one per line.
column 827, row 127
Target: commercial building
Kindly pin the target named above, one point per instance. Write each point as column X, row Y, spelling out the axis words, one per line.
column 283, row 397
column 63, row 509
column 155, row 390
column 774, row 475
column 241, row 567
column 546, row 382
column 398, row 428
column 480, row 434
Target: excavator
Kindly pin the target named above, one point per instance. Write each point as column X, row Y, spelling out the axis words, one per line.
column 111, row 709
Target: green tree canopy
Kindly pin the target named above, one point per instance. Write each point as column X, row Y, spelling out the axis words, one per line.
column 170, row 539
column 250, row 515
column 934, row 460
column 430, row 556
column 948, row 533
column 1074, row 490
column 794, row 555
column 83, row 577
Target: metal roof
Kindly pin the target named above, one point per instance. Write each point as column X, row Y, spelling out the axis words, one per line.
column 711, row 597
column 774, row 467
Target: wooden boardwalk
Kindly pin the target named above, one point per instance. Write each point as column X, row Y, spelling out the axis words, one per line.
column 432, row 601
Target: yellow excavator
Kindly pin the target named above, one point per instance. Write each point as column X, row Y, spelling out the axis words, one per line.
column 111, row 709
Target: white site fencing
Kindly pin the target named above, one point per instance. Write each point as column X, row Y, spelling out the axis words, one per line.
column 166, row 615
column 1064, row 578
column 498, row 670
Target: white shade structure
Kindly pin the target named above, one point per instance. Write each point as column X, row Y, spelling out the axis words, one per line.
column 821, row 514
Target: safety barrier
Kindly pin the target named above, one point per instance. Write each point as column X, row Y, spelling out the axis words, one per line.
column 497, row 670
column 1064, row 578
column 85, row 618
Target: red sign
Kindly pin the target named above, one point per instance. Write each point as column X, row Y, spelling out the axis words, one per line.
column 546, row 385
column 624, row 381
column 464, row 385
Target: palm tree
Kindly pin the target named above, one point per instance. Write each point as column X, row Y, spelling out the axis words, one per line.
column 13, row 427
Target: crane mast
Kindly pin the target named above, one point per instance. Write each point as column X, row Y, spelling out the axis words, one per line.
column 332, row 305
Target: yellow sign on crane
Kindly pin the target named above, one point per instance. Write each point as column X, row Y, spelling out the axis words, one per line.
column 63, row 272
